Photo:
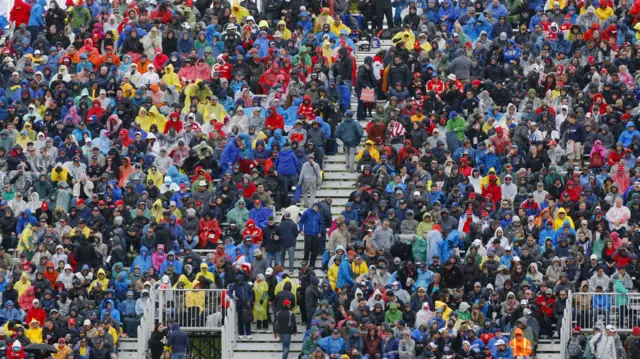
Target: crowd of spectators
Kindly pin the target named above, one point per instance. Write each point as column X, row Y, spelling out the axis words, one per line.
column 180, row 144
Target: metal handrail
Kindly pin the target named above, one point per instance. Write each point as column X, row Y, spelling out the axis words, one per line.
column 622, row 310
column 193, row 309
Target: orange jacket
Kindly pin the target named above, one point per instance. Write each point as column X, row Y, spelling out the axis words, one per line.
column 521, row 346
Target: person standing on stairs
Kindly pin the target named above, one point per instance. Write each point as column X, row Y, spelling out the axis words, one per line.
column 284, row 327
column 309, row 180
column 178, row 341
column 350, row 132
column 311, row 227
column 364, row 79
column 243, row 294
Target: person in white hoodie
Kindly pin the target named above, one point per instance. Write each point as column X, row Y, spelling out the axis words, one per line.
column 604, row 345
column 475, row 180
column 168, row 185
column 424, row 315
column 509, row 189
column 66, row 277
column 150, row 77
column 163, row 162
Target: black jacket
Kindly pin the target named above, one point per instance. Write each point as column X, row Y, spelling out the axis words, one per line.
column 285, row 322
column 311, row 297
column 364, row 79
column 271, row 238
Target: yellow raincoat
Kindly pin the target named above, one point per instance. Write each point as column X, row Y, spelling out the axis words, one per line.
column 23, row 139
column 157, row 209
column 286, row 33
column 218, row 110
column 22, row 285
column 332, row 275
column 194, row 298
column 239, row 11
column 155, row 176
column 323, row 18
column 128, row 90
column 261, row 136
column 294, row 290
column 171, row 78
column 104, row 282
column 144, row 119
column 337, row 29
column 261, row 304
column 484, row 182
column 25, row 243
column 446, row 310
column 372, row 151
column 86, row 231
column 404, row 36
column 194, row 90
column 184, row 280
column 208, row 274
column 157, row 119
column 63, row 175
column 327, row 52
column 359, row 269
column 558, row 222
column 34, row 333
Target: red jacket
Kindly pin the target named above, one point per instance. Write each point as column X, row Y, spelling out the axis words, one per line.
column 164, row 16
column 546, row 305
column 224, row 70
column 20, row 13
column 274, row 120
column 307, row 110
column 435, row 85
column 254, row 231
column 36, row 313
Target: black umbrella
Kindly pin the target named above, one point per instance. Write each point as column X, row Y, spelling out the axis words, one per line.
column 40, row 350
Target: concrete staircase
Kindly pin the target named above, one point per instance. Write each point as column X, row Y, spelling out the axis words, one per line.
column 128, row 348
column 338, row 184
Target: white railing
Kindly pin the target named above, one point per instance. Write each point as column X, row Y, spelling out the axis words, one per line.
column 229, row 330
column 147, row 324
column 565, row 331
column 194, row 310
column 620, row 310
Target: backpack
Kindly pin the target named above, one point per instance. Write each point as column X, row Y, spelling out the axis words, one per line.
column 574, row 348
column 634, row 349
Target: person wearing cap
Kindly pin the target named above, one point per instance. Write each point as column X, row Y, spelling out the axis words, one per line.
column 605, row 343
column 350, row 132
column 285, row 326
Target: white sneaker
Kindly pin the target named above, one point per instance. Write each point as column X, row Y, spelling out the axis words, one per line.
column 249, row 337
column 241, row 337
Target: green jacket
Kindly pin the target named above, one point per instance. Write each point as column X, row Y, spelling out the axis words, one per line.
column 457, row 124
column 514, row 11
column 79, row 16
column 619, row 288
column 241, row 216
column 309, row 345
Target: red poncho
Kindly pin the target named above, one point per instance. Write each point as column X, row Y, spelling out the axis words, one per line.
column 274, row 121
column 20, row 13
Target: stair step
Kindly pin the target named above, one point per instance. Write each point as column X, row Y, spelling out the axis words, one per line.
column 335, row 167
column 266, row 355
column 341, row 175
column 548, row 348
column 337, row 185
column 268, row 337
column 339, row 193
column 128, row 355
column 250, row 346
